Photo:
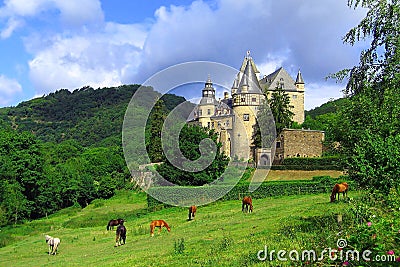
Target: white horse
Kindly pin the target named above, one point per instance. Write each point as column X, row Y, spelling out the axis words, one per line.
column 53, row 244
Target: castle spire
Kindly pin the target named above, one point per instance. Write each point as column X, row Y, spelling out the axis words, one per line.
column 249, row 81
column 299, row 78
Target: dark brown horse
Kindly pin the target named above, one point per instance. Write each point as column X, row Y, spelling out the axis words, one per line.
column 339, row 188
column 247, row 204
column 159, row 224
column 113, row 223
column 120, row 234
column 192, row 211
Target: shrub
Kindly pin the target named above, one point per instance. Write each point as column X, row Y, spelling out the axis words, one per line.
column 179, row 246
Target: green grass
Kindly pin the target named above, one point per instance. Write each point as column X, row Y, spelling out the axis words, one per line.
column 220, row 235
column 288, row 175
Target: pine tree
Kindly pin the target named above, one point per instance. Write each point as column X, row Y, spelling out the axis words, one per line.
column 279, row 104
column 153, row 132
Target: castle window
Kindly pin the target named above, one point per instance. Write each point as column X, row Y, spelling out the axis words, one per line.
column 254, row 99
column 219, row 124
column 208, row 112
column 243, row 99
column 246, row 117
column 212, row 125
column 227, row 123
column 294, row 96
column 278, row 144
column 200, row 112
column 208, row 124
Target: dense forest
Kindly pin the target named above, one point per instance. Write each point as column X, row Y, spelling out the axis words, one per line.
column 65, row 149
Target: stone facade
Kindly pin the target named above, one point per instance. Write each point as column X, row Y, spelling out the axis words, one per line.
column 299, row 143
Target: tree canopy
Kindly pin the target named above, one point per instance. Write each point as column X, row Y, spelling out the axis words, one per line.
column 370, row 123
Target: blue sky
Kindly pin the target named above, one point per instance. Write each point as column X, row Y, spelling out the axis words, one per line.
column 46, row 45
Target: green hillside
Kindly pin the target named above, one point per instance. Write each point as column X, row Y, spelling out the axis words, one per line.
column 93, row 117
column 220, row 234
column 328, row 107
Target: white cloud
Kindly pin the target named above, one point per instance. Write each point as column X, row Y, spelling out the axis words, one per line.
column 12, row 25
column 86, row 50
column 97, row 59
column 72, row 13
column 317, row 94
column 294, row 34
column 78, row 47
column 8, row 88
column 305, row 35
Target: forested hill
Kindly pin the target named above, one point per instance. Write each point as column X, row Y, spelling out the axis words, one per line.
column 328, row 107
column 93, row 117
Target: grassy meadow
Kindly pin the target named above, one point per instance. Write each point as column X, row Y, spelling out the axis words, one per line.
column 287, row 175
column 220, row 235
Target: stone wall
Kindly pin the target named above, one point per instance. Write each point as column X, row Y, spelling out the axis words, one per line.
column 299, row 143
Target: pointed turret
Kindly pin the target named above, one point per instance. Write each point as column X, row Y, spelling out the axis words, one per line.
column 299, row 82
column 299, row 78
column 235, row 85
column 249, row 82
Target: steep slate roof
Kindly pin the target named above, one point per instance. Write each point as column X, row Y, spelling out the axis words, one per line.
column 271, row 81
column 249, row 78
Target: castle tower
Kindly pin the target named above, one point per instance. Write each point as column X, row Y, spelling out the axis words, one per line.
column 206, row 107
column 298, row 101
column 245, row 103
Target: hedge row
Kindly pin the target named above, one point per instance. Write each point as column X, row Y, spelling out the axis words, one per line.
column 175, row 195
column 306, row 167
column 321, row 163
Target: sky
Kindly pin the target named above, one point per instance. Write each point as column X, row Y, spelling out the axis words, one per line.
column 47, row 45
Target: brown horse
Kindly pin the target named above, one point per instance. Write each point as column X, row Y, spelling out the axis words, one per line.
column 120, row 234
column 192, row 211
column 339, row 188
column 159, row 224
column 113, row 223
column 247, row 204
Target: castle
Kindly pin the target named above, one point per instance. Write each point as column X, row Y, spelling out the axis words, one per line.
column 234, row 116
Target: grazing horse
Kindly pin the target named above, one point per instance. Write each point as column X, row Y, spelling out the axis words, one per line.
column 159, row 224
column 120, row 235
column 192, row 211
column 247, row 204
column 339, row 188
column 53, row 244
column 113, row 223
